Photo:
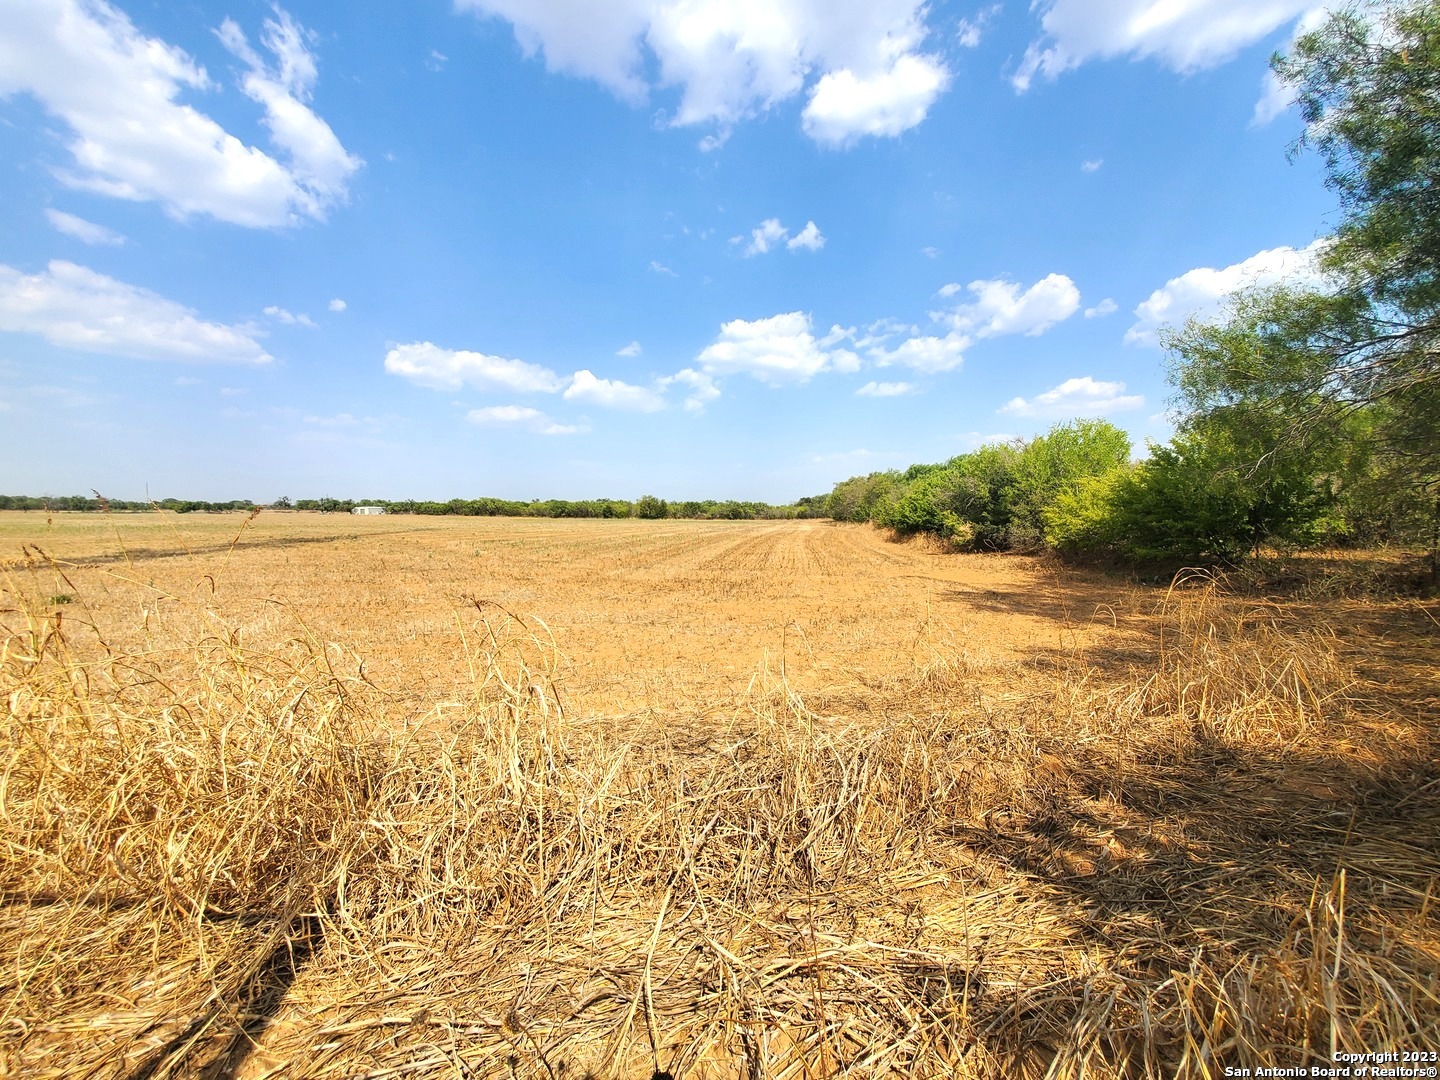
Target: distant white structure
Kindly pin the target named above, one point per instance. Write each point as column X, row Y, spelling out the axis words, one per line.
column 368, row 510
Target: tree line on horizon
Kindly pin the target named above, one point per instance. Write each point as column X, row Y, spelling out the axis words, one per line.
column 1308, row 414
column 646, row 507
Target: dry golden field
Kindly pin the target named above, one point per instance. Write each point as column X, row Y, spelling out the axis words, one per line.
column 324, row 796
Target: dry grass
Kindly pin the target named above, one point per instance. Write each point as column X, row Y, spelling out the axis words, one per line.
column 1189, row 832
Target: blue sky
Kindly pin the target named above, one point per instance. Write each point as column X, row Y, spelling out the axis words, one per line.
column 545, row 248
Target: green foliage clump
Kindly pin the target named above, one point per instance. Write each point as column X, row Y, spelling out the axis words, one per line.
column 1055, row 465
column 863, row 498
column 993, row 498
column 1084, row 518
column 651, row 508
column 1211, row 495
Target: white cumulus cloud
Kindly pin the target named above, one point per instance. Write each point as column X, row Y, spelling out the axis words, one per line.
column 861, row 59
column 810, row 238
column 1103, row 308
column 116, row 91
column 1000, row 307
column 86, row 231
column 925, row 353
column 520, row 417
column 702, row 388
column 612, row 393
column 778, row 350
column 762, row 238
column 1184, row 35
column 996, row 308
column 844, row 106
column 1076, row 397
column 885, row 389
column 77, row 308
column 1201, row 293
column 449, row 369
column 770, row 234
column 337, row 305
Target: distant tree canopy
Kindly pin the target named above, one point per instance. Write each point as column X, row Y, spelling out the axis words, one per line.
column 97, row 503
column 647, row 506
column 650, row 507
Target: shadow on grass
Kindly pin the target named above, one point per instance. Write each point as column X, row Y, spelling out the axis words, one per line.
column 1216, row 848
column 237, row 1022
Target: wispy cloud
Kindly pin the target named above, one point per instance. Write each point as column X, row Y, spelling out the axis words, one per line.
column 886, row 389
column 77, row 308
column 1076, row 397
column 118, row 94
column 280, row 315
column 449, row 369
column 520, row 418
column 86, row 231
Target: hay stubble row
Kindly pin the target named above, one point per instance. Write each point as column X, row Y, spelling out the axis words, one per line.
column 403, row 796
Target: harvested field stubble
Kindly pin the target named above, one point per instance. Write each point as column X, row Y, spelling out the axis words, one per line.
column 1200, row 838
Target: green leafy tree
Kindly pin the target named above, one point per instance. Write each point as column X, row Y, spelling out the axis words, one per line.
column 983, row 492
column 649, row 507
column 1055, row 464
column 1366, row 83
column 927, row 505
column 1213, row 493
column 1362, row 353
column 860, row 497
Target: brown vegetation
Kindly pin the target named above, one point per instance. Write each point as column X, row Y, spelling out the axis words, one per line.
column 549, row 799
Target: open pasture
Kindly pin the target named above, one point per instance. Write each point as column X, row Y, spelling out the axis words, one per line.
column 331, row 796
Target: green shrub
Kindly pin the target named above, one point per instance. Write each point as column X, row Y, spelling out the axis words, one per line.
column 1083, row 518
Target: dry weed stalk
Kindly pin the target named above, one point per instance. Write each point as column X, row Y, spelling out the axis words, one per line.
column 231, row 862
